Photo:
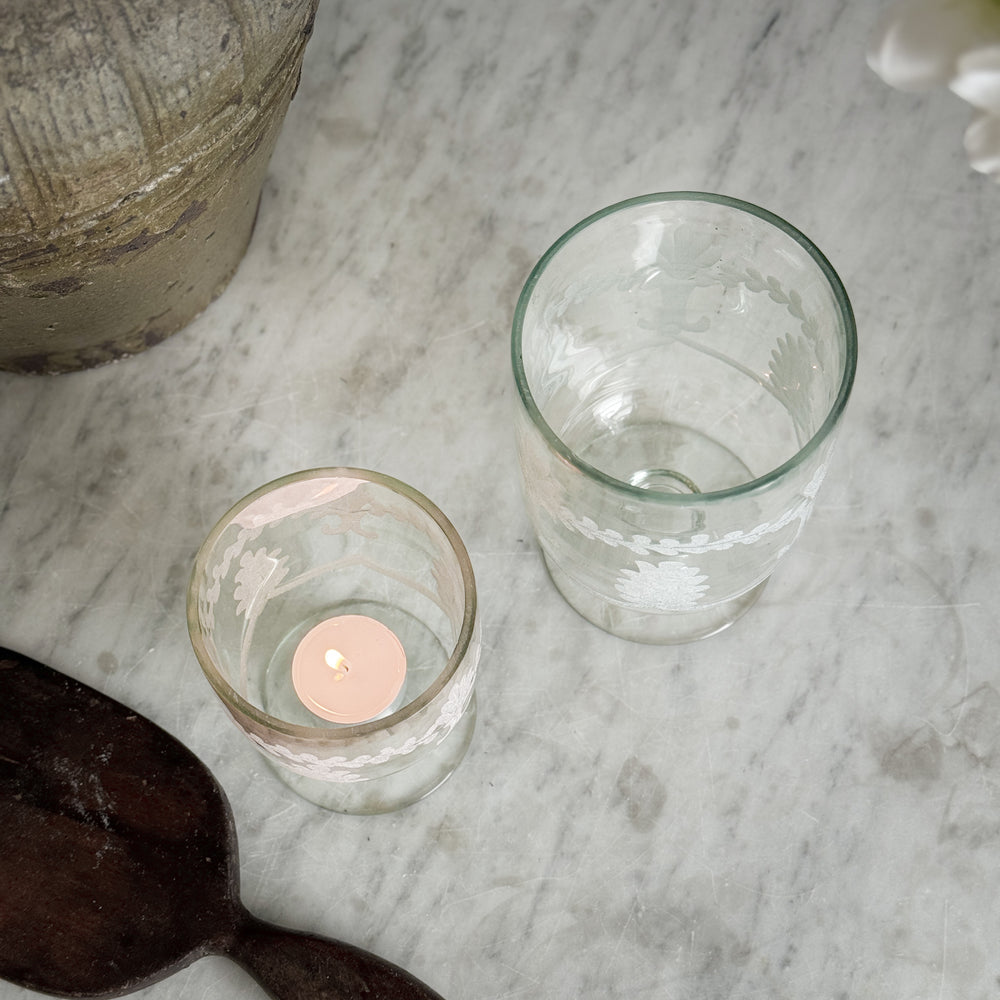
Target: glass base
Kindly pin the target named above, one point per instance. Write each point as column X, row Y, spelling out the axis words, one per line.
column 652, row 627
column 421, row 772
column 666, row 457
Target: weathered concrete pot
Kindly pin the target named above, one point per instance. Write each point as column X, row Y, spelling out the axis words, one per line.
column 134, row 139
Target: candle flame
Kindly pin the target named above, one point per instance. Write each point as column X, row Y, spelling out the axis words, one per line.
column 337, row 662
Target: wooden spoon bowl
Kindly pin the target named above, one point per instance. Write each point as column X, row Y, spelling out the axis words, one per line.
column 119, row 863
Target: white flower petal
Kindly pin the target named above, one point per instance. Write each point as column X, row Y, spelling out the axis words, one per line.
column 978, row 78
column 982, row 143
column 918, row 42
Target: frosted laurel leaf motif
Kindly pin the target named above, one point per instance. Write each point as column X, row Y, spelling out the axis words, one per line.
column 697, row 544
column 754, row 281
column 219, row 571
column 344, row 769
column 666, row 586
column 261, row 572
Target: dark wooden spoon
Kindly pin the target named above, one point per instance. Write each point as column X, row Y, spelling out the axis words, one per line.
column 118, row 859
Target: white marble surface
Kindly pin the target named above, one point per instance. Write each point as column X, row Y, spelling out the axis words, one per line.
column 806, row 806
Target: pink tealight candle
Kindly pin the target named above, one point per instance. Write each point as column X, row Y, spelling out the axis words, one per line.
column 348, row 669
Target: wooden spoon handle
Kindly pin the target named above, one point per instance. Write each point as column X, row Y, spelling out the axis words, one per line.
column 295, row 966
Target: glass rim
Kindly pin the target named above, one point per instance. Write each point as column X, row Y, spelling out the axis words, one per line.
column 342, row 733
column 639, row 493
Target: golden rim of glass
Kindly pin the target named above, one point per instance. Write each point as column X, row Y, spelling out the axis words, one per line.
column 630, row 490
column 343, row 733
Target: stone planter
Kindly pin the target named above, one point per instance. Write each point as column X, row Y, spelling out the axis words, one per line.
column 134, row 139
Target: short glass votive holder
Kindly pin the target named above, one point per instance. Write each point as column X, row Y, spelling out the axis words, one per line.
column 682, row 361
column 334, row 613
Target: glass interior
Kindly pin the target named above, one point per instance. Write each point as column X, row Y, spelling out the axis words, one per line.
column 315, row 548
column 683, row 344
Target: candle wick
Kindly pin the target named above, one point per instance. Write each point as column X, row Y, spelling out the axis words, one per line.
column 338, row 663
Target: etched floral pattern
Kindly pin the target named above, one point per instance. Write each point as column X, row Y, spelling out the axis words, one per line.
column 670, row 584
column 258, row 577
column 793, row 370
column 684, row 260
column 349, row 769
column 664, row 586
column 686, row 254
column 696, row 544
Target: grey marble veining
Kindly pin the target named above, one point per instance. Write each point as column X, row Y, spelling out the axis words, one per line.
column 807, row 805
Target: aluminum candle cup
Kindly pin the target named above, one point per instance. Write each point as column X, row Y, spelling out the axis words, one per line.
column 334, row 613
column 682, row 361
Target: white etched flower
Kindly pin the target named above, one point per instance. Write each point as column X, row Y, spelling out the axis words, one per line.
column 259, row 574
column 667, row 586
column 920, row 44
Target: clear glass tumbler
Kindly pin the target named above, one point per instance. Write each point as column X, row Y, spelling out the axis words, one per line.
column 321, row 545
column 682, row 361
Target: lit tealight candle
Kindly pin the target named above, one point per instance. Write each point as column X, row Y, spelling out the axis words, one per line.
column 348, row 669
